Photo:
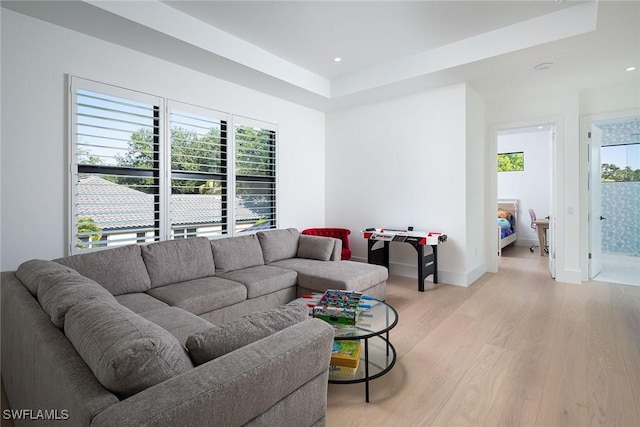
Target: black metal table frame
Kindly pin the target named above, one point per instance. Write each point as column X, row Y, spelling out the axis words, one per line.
column 427, row 264
column 365, row 337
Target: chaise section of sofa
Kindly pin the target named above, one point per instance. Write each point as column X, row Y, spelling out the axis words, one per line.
column 308, row 256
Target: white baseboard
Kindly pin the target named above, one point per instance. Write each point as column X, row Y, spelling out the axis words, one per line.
column 449, row 277
column 569, row 276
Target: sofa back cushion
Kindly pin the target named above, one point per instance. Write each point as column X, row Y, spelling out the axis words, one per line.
column 125, row 352
column 315, row 247
column 59, row 293
column 31, row 273
column 278, row 244
column 58, row 287
column 120, row 270
column 236, row 253
column 178, row 260
column 220, row 340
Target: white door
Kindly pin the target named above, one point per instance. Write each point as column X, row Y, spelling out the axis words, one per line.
column 551, row 232
column 595, row 202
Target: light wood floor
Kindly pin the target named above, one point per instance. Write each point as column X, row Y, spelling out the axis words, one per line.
column 516, row 348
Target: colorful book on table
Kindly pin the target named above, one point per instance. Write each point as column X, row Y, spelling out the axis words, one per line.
column 342, row 370
column 345, row 353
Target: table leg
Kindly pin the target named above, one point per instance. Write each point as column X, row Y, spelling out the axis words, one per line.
column 541, row 240
column 435, row 263
column 379, row 256
column 366, row 368
column 427, row 264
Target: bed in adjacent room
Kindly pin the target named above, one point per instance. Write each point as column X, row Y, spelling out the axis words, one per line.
column 507, row 223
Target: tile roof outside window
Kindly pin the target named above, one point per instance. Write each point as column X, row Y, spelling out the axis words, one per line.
column 109, row 205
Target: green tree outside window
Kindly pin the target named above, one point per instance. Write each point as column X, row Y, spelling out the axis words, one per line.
column 510, row 162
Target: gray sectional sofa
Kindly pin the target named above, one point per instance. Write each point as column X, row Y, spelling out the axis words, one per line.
column 183, row 332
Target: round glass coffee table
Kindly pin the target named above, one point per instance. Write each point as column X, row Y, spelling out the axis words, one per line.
column 377, row 355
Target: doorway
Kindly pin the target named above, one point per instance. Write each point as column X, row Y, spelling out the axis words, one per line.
column 532, row 184
column 614, row 194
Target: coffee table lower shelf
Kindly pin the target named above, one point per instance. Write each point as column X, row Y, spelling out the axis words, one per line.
column 377, row 358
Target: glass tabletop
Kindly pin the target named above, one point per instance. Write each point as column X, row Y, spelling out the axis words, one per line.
column 376, row 320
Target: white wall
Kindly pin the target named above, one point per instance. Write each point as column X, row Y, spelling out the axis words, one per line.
column 611, row 98
column 531, row 186
column 400, row 163
column 476, row 194
column 36, row 56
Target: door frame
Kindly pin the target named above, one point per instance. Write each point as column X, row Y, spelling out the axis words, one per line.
column 556, row 197
column 585, row 196
column 594, row 258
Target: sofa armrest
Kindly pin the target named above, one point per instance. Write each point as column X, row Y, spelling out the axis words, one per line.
column 40, row 368
column 240, row 386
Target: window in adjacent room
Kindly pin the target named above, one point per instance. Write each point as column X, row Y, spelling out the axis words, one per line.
column 511, row 162
column 620, row 163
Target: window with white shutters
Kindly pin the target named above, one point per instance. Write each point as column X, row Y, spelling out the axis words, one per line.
column 198, row 202
column 115, row 167
column 144, row 168
column 255, row 184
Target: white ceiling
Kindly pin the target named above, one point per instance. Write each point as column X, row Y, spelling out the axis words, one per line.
column 363, row 34
column 388, row 48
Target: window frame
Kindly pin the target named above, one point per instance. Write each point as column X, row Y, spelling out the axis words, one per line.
column 223, row 177
column 273, row 160
column 76, row 169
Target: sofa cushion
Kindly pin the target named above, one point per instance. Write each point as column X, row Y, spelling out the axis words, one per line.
column 278, row 244
column 140, row 302
column 58, row 296
column 347, row 275
column 315, row 247
column 59, row 292
column 129, row 276
column 235, row 253
column 263, row 279
column 178, row 260
column 201, row 295
column 31, row 273
column 219, row 340
column 125, row 352
column 178, row 322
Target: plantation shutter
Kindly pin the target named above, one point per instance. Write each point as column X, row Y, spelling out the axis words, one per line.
column 115, row 166
column 198, row 205
column 255, row 174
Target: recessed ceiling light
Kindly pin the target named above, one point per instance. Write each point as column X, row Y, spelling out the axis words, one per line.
column 337, row 59
column 630, row 68
column 543, row 66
